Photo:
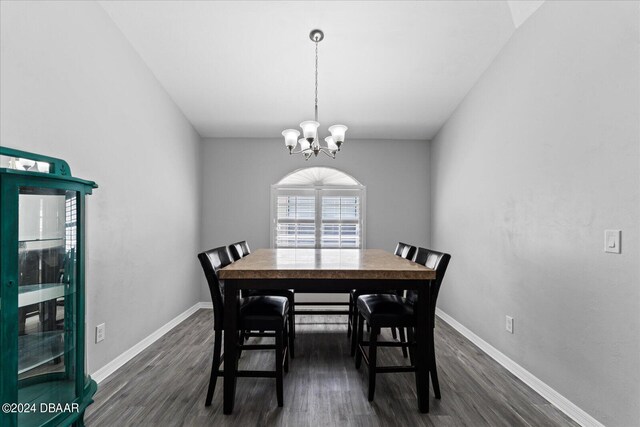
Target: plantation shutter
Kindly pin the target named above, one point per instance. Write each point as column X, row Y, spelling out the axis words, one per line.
column 318, row 218
column 296, row 220
column 340, row 222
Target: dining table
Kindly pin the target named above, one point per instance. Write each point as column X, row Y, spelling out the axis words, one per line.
column 327, row 270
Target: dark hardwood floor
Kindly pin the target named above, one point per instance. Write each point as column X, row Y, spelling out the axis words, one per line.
column 165, row 385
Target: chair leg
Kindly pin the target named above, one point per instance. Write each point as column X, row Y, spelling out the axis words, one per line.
column 373, row 346
column 215, row 364
column 291, row 332
column 292, row 318
column 403, row 339
column 350, row 315
column 356, row 319
column 359, row 338
column 279, row 355
column 434, row 370
column 243, row 338
column 240, row 341
column 411, row 339
column 394, row 335
column 288, row 342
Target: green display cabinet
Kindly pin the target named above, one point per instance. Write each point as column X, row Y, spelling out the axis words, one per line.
column 43, row 379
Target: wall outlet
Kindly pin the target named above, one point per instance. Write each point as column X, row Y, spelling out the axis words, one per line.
column 509, row 324
column 100, row 333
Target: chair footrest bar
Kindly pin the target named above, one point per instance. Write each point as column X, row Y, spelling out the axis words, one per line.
column 258, row 334
column 322, row 303
column 257, row 346
column 323, row 312
column 389, row 343
column 385, row 369
column 252, row 374
column 391, row 369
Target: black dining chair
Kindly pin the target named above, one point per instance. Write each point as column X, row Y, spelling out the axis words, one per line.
column 240, row 250
column 403, row 250
column 267, row 313
column 388, row 311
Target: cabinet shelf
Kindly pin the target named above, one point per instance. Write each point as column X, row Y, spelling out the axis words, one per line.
column 34, row 294
column 38, row 349
column 41, row 240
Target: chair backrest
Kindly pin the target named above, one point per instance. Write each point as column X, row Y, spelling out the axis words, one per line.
column 405, row 250
column 212, row 261
column 437, row 261
column 245, row 248
column 239, row 250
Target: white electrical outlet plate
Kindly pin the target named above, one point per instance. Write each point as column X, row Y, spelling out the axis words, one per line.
column 100, row 332
column 612, row 241
column 509, row 324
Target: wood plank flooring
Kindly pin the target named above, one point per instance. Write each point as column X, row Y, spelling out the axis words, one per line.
column 165, row 385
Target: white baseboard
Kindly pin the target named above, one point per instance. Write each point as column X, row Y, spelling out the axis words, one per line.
column 555, row 398
column 102, row 373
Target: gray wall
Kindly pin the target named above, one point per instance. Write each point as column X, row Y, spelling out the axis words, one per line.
column 72, row 87
column 238, row 174
column 538, row 160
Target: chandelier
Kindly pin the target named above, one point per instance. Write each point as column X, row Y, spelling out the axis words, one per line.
column 310, row 143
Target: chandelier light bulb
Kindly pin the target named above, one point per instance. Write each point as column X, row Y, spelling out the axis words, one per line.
column 309, row 129
column 290, row 137
column 337, row 132
column 304, row 144
column 331, row 143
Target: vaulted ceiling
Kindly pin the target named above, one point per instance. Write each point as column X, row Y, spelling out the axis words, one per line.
column 392, row 70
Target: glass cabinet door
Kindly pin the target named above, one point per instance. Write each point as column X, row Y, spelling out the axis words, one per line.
column 47, row 234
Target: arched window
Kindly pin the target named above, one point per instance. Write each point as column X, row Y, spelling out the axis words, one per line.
column 317, row 207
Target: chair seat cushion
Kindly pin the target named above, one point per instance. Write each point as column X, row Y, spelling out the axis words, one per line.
column 355, row 293
column 385, row 310
column 263, row 312
column 287, row 293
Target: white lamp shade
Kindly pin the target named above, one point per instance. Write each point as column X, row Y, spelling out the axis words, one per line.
column 290, row 137
column 309, row 128
column 304, row 144
column 331, row 144
column 337, row 132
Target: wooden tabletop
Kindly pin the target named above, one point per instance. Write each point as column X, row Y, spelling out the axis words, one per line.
column 325, row 264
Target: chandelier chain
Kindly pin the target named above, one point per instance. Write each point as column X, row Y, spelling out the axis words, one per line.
column 316, row 105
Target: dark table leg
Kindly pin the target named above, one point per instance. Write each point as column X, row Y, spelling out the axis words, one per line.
column 230, row 341
column 423, row 342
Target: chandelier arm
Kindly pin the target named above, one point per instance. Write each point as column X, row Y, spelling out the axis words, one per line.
column 306, row 150
column 328, row 152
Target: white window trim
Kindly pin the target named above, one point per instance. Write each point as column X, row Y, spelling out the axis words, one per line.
column 319, row 190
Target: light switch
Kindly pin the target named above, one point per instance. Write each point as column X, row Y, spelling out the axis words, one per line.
column 612, row 241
